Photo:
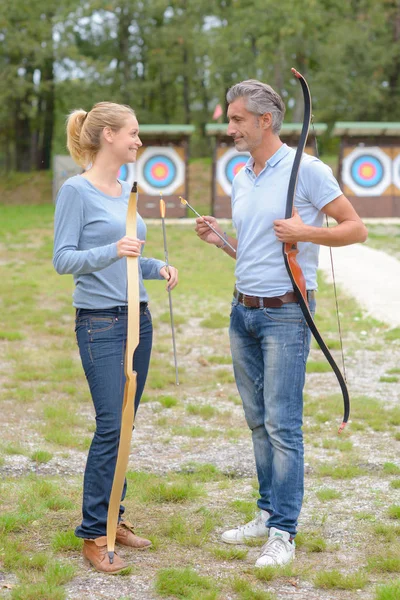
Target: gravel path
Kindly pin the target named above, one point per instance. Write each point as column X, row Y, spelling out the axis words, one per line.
column 371, row 276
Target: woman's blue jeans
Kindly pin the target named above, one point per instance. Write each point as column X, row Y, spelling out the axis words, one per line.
column 269, row 349
column 101, row 337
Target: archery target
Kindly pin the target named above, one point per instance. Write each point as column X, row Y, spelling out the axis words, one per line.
column 160, row 169
column 127, row 173
column 228, row 166
column 396, row 171
column 367, row 171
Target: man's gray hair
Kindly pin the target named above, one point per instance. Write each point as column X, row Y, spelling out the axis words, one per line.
column 260, row 98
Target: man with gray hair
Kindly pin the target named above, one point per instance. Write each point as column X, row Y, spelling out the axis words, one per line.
column 270, row 339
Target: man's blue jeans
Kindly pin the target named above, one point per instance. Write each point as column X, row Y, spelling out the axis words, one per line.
column 269, row 349
column 101, row 337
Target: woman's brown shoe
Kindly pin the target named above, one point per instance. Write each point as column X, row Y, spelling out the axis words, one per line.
column 127, row 537
column 95, row 551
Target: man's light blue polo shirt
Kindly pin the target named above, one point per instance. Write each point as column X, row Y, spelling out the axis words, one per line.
column 257, row 201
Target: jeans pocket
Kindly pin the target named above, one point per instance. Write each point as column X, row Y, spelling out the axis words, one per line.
column 288, row 313
column 100, row 324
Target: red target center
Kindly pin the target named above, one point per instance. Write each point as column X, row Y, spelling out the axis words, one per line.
column 367, row 171
column 159, row 171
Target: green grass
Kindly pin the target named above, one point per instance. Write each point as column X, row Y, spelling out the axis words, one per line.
column 206, row 411
column 167, row 401
column 385, row 563
column 335, row 580
column 327, row 494
column 245, row 508
column 12, row 449
column 15, row 521
column 246, row 591
column 220, row 360
column 341, row 471
column 64, row 541
column 215, row 321
column 270, row 573
column 41, row 456
column 179, row 319
column 320, row 366
column 173, row 492
column 394, row 511
column 391, row 469
column 192, row 533
column 390, row 591
column 38, row 591
column 224, row 376
column 230, row 553
column 392, row 335
column 11, row 336
column 388, row 379
column 384, row 237
column 186, row 584
column 311, row 541
column 337, row 444
column 203, row 472
column 387, row 533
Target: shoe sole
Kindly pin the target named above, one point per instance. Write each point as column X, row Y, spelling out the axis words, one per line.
column 249, row 539
column 277, row 564
column 88, row 563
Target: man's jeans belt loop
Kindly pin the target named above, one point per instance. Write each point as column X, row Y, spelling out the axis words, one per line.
column 273, row 302
column 118, row 310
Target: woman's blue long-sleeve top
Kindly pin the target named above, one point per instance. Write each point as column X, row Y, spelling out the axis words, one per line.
column 87, row 226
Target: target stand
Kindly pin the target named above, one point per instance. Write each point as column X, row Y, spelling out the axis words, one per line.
column 162, row 166
column 227, row 161
column 369, row 167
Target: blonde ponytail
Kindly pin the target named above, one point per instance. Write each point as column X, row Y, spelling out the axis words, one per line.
column 75, row 123
column 84, row 129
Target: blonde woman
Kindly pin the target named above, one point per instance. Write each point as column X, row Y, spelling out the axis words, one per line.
column 90, row 243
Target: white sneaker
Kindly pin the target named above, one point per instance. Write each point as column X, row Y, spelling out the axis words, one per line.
column 255, row 529
column 278, row 550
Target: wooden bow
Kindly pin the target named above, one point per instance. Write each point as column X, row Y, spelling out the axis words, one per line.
column 290, row 251
column 128, row 406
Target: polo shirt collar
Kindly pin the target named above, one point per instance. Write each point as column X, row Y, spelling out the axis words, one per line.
column 271, row 162
column 279, row 154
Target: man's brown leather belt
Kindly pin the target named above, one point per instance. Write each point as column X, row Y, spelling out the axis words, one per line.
column 273, row 302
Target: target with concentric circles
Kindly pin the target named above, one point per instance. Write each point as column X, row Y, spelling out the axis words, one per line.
column 228, row 166
column 367, row 171
column 160, row 168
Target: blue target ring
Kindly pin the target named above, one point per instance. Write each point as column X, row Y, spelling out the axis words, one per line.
column 159, row 171
column 367, row 171
column 234, row 165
